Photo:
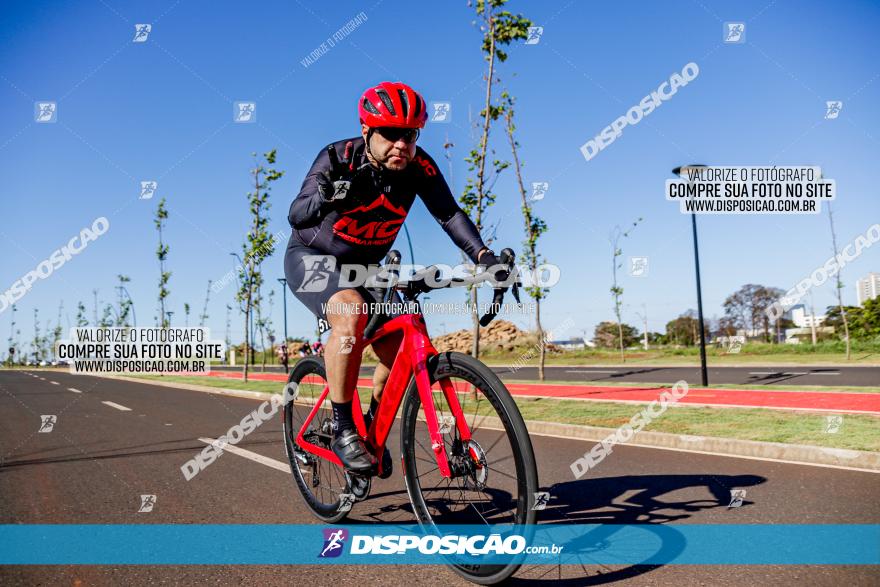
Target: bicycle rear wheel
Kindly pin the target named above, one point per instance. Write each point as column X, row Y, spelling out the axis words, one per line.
column 320, row 482
column 497, row 477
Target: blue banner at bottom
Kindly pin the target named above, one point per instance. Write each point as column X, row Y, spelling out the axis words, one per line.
column 554, row 544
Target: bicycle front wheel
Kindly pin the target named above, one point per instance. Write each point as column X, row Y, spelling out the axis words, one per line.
column 496, row 477
column 321, row 483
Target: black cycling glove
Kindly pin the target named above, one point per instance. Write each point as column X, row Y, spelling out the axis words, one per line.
column 335, row 184
column 491, row 263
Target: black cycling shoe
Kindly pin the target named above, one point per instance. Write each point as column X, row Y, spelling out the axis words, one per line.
column 351, row 450
column 387, row 464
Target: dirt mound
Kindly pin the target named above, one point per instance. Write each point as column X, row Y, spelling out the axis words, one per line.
column 499, row 336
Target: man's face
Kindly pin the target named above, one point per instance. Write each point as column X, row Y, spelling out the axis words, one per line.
column 393, row 154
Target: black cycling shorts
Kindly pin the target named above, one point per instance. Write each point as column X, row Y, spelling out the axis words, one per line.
column 314, row 277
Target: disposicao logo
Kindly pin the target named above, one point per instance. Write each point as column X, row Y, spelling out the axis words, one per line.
column 334, row 540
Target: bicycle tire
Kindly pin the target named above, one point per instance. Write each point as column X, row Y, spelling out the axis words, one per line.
column 325, row 511
column 469, row 369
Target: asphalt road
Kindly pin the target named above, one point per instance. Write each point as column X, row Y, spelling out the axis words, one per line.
column 100, row 457
column 748, row 375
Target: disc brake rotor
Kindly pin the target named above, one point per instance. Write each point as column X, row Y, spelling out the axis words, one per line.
column 477, row 466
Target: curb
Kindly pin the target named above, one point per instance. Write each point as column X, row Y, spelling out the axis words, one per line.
column 748, row 449
column 695, row 365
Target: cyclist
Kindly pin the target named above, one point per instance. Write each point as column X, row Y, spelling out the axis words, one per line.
column 349, row 210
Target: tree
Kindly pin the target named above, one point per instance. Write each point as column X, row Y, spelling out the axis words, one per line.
column 746, row 308
column 864, row 321
column 258, row 245
column 162, row 254
column 203, row 317
column 726, row 326
column 106, row 320
column 12, row 342
column 616, row 290
column 534, row 228
column 838, row 286
column 868, row 323
column 37, row 342
column 264, row 327
column 57, row 331
column 186, row 314
column 227, row 338
column 124, row 301
column 499, row 28
column 764, row 298
column 81, row 319
column 684, row 330
column 607, row 334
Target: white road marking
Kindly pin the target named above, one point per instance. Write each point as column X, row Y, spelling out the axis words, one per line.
column 74, row 390
column 257, row 458
column 585, row 371
column 117, row 406
column 778, row 373
column 826, row 373
column 54, row 383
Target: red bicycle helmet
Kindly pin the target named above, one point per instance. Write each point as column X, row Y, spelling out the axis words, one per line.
column 392, row 104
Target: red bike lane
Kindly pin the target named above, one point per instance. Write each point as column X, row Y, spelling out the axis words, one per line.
column 820, row 401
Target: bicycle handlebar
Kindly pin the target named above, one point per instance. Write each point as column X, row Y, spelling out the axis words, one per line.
column 421, row 282
column 507, row 258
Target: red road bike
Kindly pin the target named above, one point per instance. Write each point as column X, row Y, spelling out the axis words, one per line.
column 464, row 448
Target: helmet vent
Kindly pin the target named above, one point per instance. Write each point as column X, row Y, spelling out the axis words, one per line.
column 383, row 95
column 368, row 106
column 403, row 101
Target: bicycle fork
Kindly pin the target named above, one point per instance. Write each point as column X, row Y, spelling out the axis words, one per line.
column 438, row 446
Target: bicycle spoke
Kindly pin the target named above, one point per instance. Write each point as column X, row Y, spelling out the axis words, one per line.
column 430, row 471
column 501, row 437
column 501, row 460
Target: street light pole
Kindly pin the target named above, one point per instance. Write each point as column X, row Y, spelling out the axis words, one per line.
column 283, row 282
column 704, row 373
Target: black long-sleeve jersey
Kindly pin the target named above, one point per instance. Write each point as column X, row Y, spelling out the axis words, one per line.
column 363, row 228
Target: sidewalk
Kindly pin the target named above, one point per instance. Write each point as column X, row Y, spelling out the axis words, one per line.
column 814, row 401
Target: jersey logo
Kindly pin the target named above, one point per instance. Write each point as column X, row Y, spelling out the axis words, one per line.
column 360, row 225
column 429, row 169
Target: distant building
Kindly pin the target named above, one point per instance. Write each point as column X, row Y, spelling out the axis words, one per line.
column 803, row 320
column 868, row 288
column 572, row 344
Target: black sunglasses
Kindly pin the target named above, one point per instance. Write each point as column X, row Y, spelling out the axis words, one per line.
column 394, row 134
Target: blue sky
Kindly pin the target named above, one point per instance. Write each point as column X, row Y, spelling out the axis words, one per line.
column 162, row 110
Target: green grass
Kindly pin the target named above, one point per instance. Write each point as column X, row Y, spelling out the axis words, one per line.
column 793, row 387
column 829, row 352
column 222, row 382
column 859, row 432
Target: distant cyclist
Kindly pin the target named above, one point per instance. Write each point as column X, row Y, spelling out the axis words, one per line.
column 351, row 206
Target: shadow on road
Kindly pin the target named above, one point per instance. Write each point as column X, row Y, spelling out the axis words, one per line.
column 177, row 446
column 631, row 499
column 595, row 501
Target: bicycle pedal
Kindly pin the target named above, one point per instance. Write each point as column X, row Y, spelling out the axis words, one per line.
column 358, row 485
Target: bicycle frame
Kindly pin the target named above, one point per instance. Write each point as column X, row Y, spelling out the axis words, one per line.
column 411, row 361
